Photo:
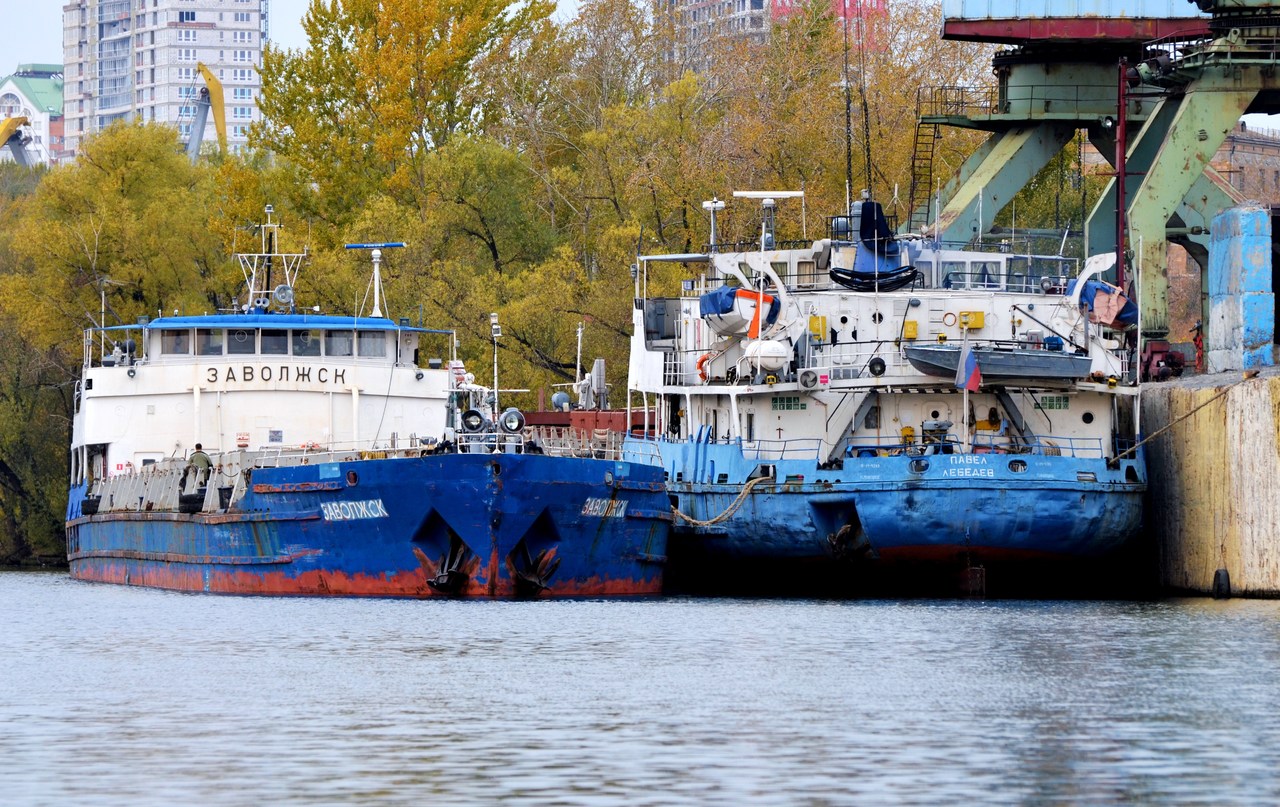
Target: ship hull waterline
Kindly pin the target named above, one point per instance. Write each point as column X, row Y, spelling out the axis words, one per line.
column 457, row 525
column 877, row 515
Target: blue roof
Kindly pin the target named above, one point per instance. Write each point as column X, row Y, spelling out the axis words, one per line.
column 279, row 321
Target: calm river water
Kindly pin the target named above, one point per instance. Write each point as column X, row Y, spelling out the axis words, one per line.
column 115, row 695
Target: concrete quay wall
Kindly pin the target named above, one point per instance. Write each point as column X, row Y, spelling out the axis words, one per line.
column 1213, row 500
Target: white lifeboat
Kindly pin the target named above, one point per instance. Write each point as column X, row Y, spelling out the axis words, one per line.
column 733, row 311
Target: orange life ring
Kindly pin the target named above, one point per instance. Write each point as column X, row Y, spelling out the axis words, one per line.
column 702, row 371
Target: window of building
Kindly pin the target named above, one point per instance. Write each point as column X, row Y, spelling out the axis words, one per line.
column 186, row 16
column 242, row 112
column 242, row 93
column 186, row 36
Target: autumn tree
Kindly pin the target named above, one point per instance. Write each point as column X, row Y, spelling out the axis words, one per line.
column 381, row 85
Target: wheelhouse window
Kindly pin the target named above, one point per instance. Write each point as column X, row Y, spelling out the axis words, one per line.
column 373, row 344
column 242, row 342
column 210, row 341
column 175, row 342
column 307, row 343
column 337, row 343
column 955, row 275
column 275, row 343
column 987, row 274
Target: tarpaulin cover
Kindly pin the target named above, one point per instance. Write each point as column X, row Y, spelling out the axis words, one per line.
column 721, row 301
column 1106, row 302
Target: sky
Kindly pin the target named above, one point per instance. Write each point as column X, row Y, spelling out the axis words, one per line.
column 33, row 30
column 33, row 34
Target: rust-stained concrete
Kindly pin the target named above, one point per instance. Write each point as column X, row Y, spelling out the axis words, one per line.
column 1214, row 493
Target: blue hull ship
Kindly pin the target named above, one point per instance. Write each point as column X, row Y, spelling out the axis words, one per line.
column 464, row 525
column 279, row 452
column 803, row 440
column 809, row 523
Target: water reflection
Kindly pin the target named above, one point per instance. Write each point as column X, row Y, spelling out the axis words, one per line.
column 115, row 695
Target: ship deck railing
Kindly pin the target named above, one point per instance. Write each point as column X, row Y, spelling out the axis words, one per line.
column 846, row 361
column 312, row 453
column 595, row 443
column 982, row 443
column 872, row 447
column 796, row 449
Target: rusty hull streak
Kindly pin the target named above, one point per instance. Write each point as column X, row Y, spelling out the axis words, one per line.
column 297, row 487
column 178, row 557
column 204, row 518
column 410, row 584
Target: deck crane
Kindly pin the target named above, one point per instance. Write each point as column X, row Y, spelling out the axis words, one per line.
column 211, row 96
column 16, row 134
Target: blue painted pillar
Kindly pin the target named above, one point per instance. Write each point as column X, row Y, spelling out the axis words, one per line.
column 1242, row 319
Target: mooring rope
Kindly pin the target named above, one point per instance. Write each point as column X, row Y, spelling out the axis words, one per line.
column 1248, row 375
column 729, row 511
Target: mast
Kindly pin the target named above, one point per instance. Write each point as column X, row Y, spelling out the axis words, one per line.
column 848, row 121
column 376, row 256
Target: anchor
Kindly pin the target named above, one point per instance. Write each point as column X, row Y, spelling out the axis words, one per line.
column 453, row 572
column 532, row 575
column 850, row 542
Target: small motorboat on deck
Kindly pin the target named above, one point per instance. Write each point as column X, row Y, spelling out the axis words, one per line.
column 999, row 362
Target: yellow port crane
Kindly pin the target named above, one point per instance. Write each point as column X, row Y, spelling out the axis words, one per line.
column 16, row 134
column 211, row 97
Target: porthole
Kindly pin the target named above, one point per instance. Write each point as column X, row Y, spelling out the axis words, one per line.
column 1087, row 417
column 1018, row 466
column 352, row 478
column 877, row 366
column 919, row 466
column 877, row 318
column 935, row 415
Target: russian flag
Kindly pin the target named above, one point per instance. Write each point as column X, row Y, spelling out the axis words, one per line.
column 968, row 374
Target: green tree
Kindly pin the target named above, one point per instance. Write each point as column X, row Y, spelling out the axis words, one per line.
column 381, row 85
column 127, row 224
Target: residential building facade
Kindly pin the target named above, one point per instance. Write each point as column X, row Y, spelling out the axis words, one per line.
column 34, row 92
column 137, row 60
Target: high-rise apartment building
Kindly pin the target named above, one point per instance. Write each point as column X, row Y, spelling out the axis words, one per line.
column 701, row 23
column 137, row 59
